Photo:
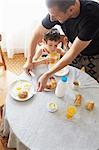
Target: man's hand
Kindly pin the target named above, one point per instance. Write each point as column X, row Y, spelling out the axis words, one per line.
column 28, row 67
column 42, row 82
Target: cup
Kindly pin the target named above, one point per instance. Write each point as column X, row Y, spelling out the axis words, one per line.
column 71, row 111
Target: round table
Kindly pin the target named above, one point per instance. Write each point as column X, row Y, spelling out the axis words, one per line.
column 39, row 129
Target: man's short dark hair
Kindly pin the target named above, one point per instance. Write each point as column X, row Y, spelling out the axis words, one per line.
column 63, row 5
column 52, row 35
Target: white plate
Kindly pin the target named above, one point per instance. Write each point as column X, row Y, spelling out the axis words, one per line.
column 22, row 85
column 49, row 90
column 45, row 89
column 62, row 72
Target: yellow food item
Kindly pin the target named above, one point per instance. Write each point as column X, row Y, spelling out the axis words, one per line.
column 18, row 88
column 27, row 85
column 78, row 100
column 90, row 105
column 83, row 69
column 69, row 115
column 52, row 106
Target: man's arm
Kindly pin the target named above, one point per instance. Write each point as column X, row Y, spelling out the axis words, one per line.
column 75, row 50
column 36, row 38
column 71, row 54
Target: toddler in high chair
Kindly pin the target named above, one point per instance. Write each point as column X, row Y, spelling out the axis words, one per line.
column 49, row 52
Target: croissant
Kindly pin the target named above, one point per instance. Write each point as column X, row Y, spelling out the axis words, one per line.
column 90, row 105
column 78, row 100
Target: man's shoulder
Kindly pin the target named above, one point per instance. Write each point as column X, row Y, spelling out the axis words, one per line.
column 89, row 7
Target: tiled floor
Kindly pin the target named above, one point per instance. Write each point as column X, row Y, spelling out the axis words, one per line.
column 14, row 65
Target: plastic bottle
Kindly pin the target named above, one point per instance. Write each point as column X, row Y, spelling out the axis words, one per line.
column 61, row 87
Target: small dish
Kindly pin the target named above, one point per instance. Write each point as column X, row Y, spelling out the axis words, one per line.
column 52, row 107
column 51, row 84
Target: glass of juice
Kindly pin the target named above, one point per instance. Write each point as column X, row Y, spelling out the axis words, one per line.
column 71, row 111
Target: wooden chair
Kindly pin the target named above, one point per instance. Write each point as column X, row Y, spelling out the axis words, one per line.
column 6, row 77
column 2, row 61
column 2, row 67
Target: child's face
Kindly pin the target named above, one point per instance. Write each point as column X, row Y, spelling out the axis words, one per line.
column 51, row 45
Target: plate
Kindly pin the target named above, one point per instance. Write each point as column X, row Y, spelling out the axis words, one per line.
column 49, row 90
column 46, row 89
column 52, row 107
column 21, row 85
column 62, row 72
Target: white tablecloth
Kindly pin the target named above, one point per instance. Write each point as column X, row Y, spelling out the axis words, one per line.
column 39, row 129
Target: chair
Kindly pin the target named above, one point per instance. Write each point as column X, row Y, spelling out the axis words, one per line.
column 2, row 67
column 6, row 77
column 2, row 61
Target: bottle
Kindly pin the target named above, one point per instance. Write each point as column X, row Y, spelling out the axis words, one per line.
column 61, row 87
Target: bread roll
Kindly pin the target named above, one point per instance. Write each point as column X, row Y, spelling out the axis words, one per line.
column 23, row 94
column 90, row 105
column 78, row 100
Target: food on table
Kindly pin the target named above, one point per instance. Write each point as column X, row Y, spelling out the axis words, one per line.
column 78, row 100
column 76, row 83
column 83, row 69
column 90, row 105
column 48, row 86
column 23, row 94
column 52, row 107
column 18, row 89
column 71, row 111
column 22, row 86
column 27, row 86
column 51, row 84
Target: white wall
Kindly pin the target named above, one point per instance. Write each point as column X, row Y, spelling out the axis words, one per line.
column 19, row 18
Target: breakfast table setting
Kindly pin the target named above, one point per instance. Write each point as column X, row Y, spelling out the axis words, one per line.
column 43, row 121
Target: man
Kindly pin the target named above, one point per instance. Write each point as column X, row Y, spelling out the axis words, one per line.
column 79, row 21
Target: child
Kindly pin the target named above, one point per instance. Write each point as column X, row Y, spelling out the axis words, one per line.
column 49, row 50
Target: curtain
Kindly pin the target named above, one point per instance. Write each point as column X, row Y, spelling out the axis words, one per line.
column 18, row 19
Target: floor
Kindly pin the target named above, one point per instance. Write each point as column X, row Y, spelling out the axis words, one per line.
column 15, row 65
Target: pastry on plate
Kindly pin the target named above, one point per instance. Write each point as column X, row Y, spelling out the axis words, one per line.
column 51, row 84
column 23, row 94
column 90, row 105
column 78, row 100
